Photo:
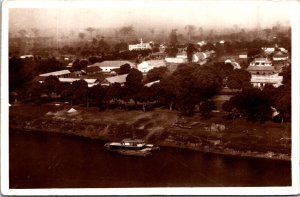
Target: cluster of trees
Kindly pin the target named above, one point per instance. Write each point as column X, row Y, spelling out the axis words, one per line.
column 190, row 85
column 261, row 105
column 24, row 70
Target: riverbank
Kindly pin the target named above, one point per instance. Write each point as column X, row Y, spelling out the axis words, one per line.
column 161, row 127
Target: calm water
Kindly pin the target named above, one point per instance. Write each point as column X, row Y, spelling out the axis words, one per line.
column 43, row 160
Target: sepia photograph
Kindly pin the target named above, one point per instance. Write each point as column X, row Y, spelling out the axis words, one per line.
column 150, row 97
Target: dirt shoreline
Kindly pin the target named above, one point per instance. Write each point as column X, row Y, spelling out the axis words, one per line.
column 155, row 127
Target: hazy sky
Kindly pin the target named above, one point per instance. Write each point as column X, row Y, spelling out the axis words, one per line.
column 157, row 14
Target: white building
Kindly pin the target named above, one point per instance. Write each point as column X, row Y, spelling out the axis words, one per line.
column 262, row 73
column 108, row 66
column 261, row 80
column 140, row 46
column 175, row 60
column 145, row 66
column 90, row 82
column 269, row 50
column 280, row 56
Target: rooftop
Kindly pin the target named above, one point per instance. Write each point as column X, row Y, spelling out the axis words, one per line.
column 260, row 68
column 117, row 79
column 154, row 63
column 56, row 73
column 115, row 63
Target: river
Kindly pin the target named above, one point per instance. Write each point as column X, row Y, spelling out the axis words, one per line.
column 47, row 160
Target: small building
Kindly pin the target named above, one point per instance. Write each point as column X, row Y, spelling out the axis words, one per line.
column 61, row 74
column 280, row 56
column 121, row 79
column 108, row 66
column 147, row 65
column 243, row 56
column 90, row 82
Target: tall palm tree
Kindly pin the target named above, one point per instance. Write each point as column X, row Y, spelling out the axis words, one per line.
column 90, row 30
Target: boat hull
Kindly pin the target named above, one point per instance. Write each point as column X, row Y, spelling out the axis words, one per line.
column 130, row 150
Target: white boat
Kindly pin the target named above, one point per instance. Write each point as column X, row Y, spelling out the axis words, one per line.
column 132, row 147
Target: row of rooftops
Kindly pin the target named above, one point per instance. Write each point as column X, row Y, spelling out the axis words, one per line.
column 121, row 79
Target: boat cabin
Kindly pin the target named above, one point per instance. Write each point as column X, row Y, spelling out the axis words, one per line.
column 133, row 142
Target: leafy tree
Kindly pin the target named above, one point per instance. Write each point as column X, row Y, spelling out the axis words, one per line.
column 115, row 91
column 21, row 71
column 67, row 93
column 90, row 30
column 186, row 90
column 125, row 69
column 103, row 47
column 51, row 85
column 284, row 105
column 252, row 53
column 171, row 51
column 168, row 95
column 133, row 83
column 79, row 64
column 253, row 104
column 122, row 46
column 206, row 107
column 287, row 75
column 29, row 91
column 173, row 38
column 49, row 65
column 190, row 52
column 239, row 79
column 80, row 92
column 156, row 74
column 98, row 96
column 207, row 82
column 229, row 106
column 83, row 63
column 94, row 59
column 76, row 65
